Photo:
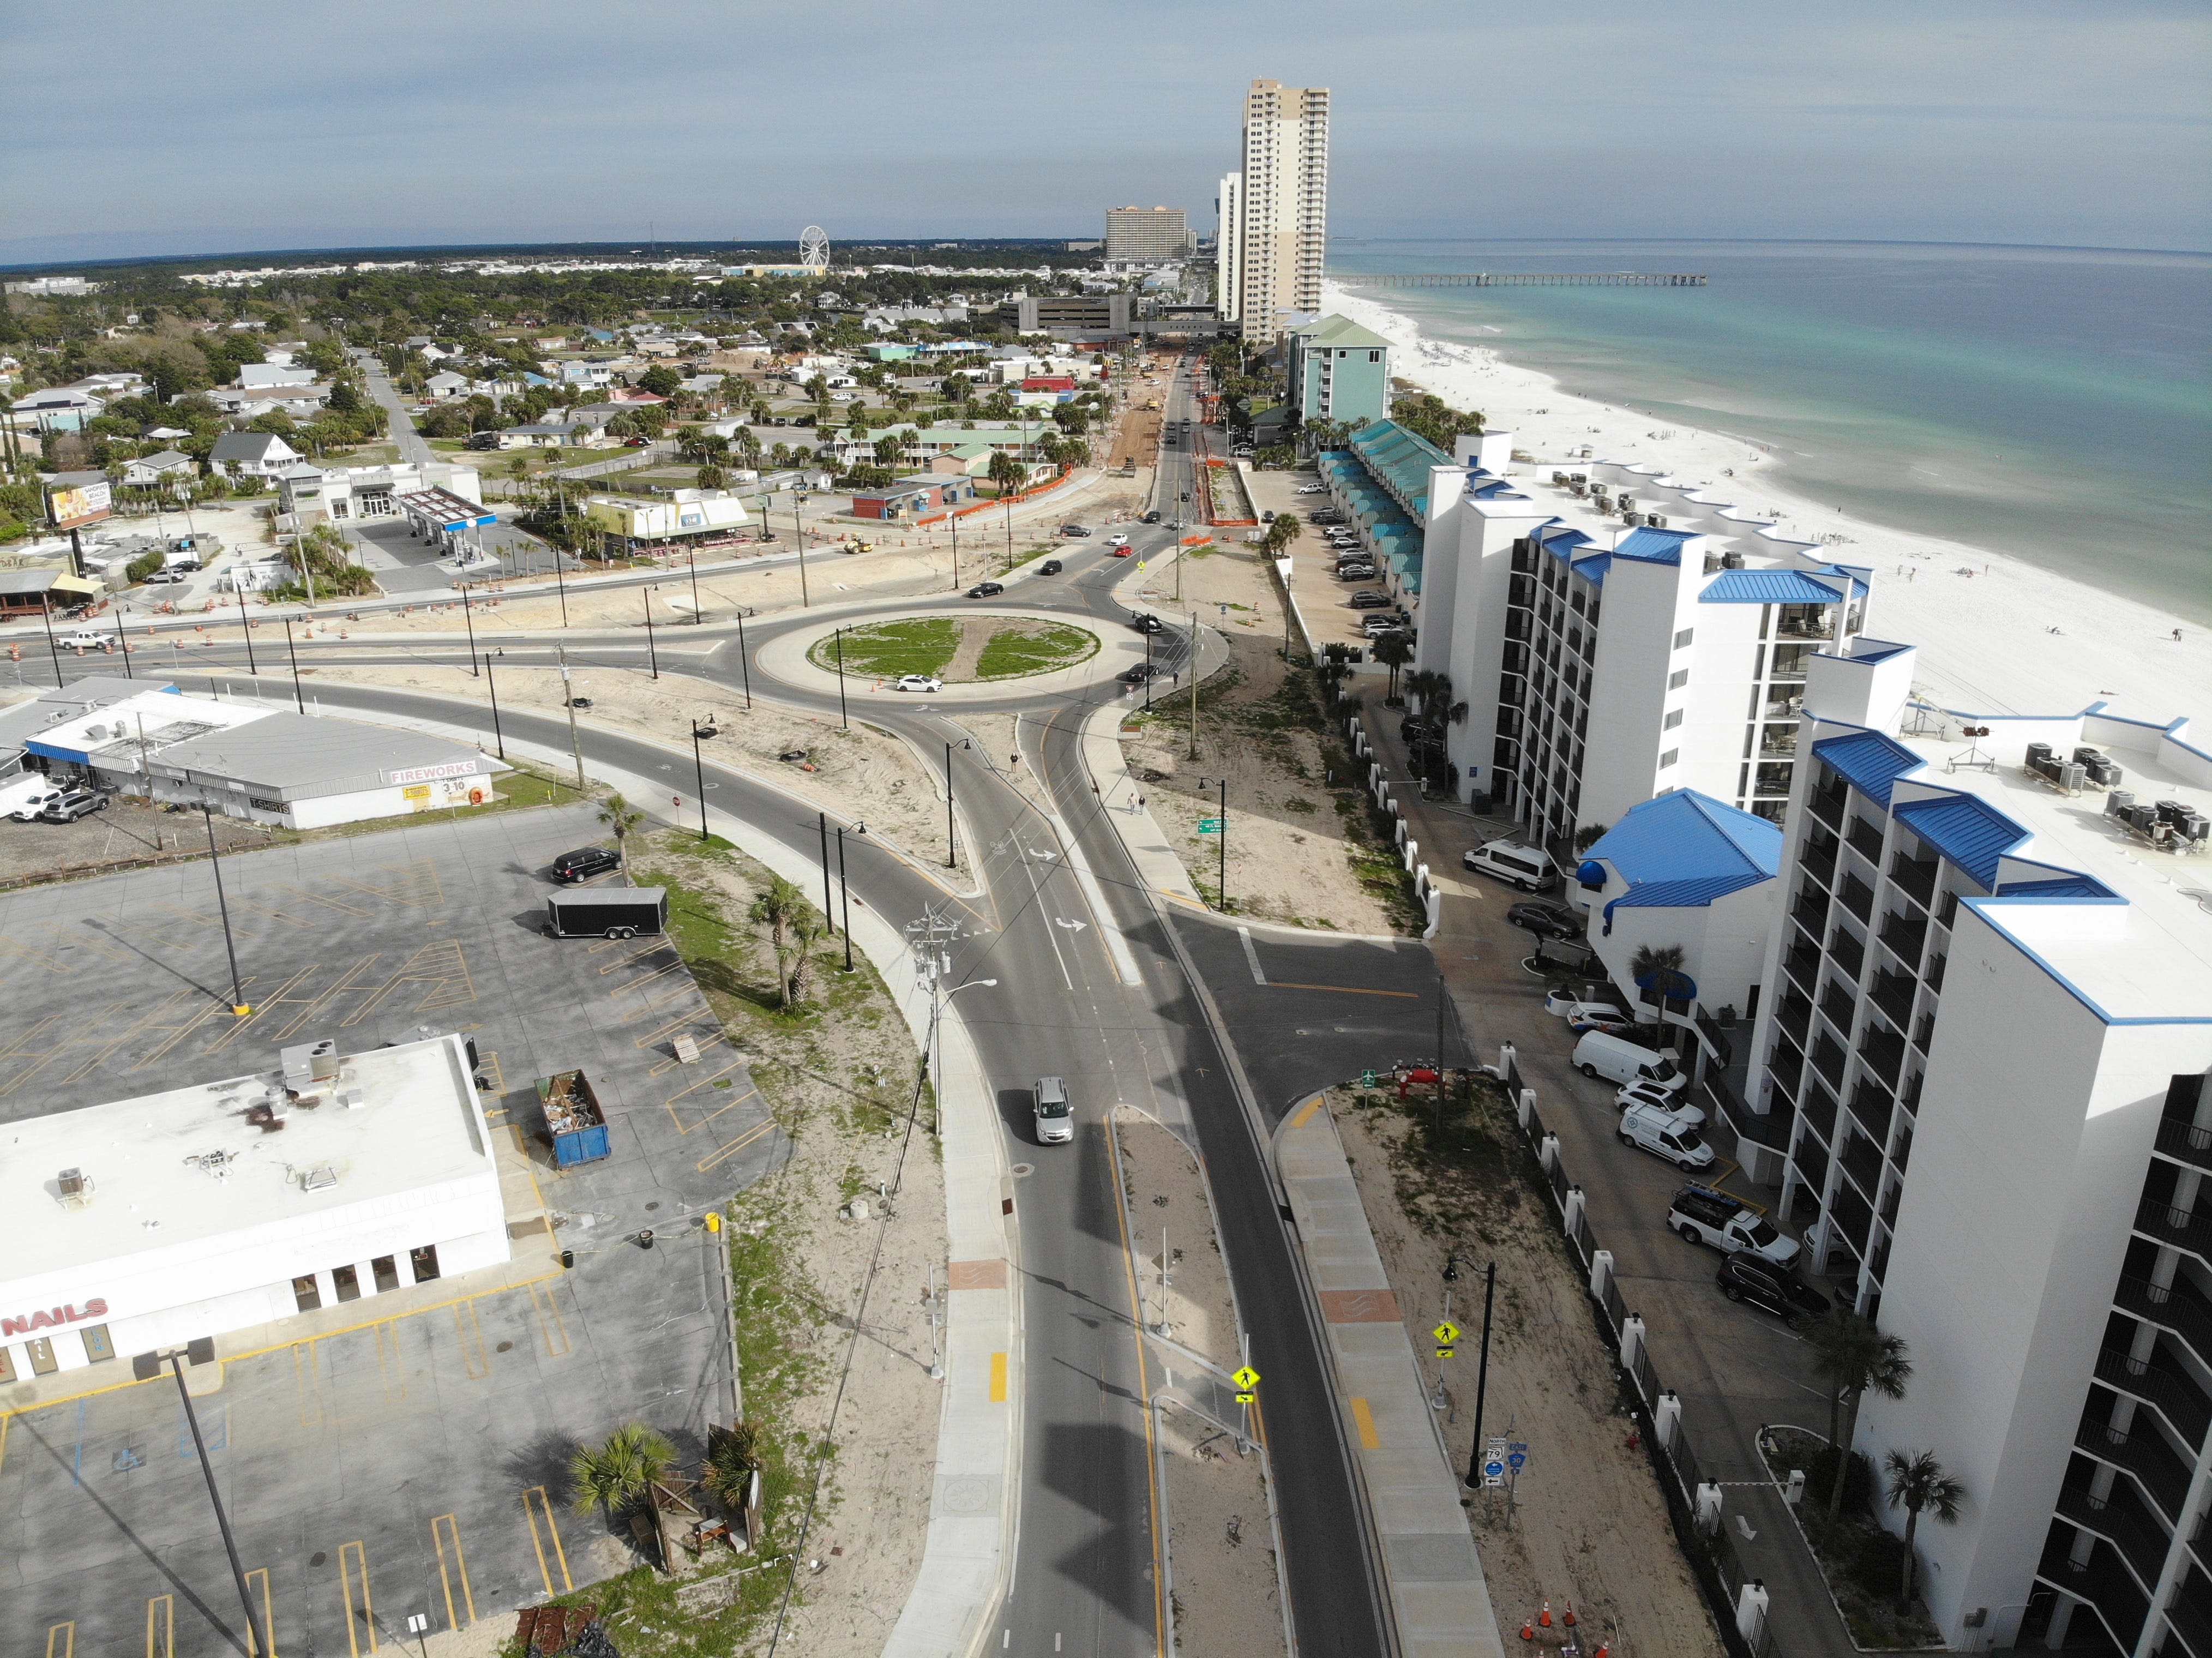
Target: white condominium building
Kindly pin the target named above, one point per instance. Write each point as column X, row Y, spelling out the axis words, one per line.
column 1985, row 1037
column 1285, row 198
column 1228, row 245
column 1614, row 638
column 1146, row 236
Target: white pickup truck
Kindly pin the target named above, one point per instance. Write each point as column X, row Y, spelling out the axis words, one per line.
column 1728, row 1224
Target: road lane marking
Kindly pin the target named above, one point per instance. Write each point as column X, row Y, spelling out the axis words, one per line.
column 1348, row 990
column 1305, row 1112
column 1363, row 1419
column 1251, row 954
column 998, row 1378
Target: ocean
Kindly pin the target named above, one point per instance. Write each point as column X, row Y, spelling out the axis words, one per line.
column 2054, row 404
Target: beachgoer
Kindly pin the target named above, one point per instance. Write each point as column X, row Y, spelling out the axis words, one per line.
column 2177, row 635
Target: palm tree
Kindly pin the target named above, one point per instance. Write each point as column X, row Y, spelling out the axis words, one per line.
column 612, row 1476
column 622, row 817
column 1589, row 835
column 807, row 936
column 1854, row 1356
column 1284, row 531
column 776, row 908
column 1660, row 967
column 732, row 1454
column 1918, row 1486
column 1393, row 653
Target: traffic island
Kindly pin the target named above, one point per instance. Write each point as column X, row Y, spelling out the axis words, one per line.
column 958, row 650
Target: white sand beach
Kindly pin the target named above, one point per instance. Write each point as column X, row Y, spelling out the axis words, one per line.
column 1996, row 634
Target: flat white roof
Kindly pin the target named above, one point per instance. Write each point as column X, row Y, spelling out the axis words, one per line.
column 194, row 1164
column 2153, row 960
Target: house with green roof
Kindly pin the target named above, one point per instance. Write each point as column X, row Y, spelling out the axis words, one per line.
column 1339, row 371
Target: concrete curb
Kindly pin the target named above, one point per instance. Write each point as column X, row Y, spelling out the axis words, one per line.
column 975, row 1506
column 1440, row 1602
column 785, row 657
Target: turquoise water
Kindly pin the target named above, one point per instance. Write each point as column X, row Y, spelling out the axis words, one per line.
column 2054, row 404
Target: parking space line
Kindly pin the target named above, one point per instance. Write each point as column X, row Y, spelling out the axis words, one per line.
column 161, row 1626
column 487, row 1060
column 451, row 1528
column 308, row 1383
column 707, row 1085
column 704, row 1040
column 469, row 1328
column 639, row 955
column 734, row 1146
column 550, row 1324
column 65, row 1647
column 533, row 1501
column 268, row 1615
column 440, row 965
column 390, row 1366
column 353, row 1558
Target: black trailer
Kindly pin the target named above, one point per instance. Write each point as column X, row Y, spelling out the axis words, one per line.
column 606, row 913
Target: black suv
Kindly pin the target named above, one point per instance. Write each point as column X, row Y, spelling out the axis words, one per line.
column 1053, row 565
column 1152, row 517
column 987, row 590
column 586, row 862
column 1545, row 920
column 1744, row 1277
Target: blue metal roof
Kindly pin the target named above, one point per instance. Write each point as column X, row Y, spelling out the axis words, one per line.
column 1651, row 546
column 1592, row 568
column 2071, row 886
column 1686, row 849
column 1876, row 650
column 1869, row 761
column 1399, row 460
column 1561, row 543
column 1767, row 587
column 1966, row 828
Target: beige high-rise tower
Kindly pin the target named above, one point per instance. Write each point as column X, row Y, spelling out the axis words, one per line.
column 1284, row 206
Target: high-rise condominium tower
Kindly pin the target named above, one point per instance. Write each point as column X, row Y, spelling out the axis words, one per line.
column 1284, row 217
column 1227, row 244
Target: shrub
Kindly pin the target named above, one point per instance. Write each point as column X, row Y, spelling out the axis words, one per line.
column 144, row 565
column 1877, row 1562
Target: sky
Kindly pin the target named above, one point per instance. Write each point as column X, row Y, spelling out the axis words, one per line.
column 138, row 128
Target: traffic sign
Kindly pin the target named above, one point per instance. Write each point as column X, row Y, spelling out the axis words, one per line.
column 1494, row 1470
column 1518, row 1459
column 1245, row 1377
column 1446, row 1332
column 1246, row 1399
column 1209, row 825
column 1446, row 1352
column 1367, row 1080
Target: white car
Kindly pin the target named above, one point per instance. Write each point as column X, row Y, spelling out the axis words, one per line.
column 1658, row 1132
column 917, row 682
column 1660, row 1099
column 1313, row 488
column 1596, row 1016
column 1117, row 539
column 82, row 639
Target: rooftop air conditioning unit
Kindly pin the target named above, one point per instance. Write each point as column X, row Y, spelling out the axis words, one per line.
column 1712, row 563
column 1731, row 560
column 73, row 1189
column 1631, row 519
column 1655, row 520
column 2117, row 802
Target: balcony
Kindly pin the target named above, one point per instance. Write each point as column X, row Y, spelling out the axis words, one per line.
column 1850, row 953
column 1828, row 1060
column 1778, row 741
column 1866, row 840
column 2176, row 1226
column 1812, row 1159
column 1819, row 858
column 1905, row 935
column 2143, row 1453
column 1889, row 1202
column 1893, row 993
column 1803, row 963
column 2141, row 1541
column 2185, row 1143
column 1872, row 1106
column 1810, row 912
column 1923, row 1034
column 1820, row 1109
column 1858, row 898
column 1850, row 1218
column 1838, row 1003
column 2101, row 1581
column 2177, row 1398
column 1787, row 1063
column 2190, row 1613
column 1901, row 1153
column 1883, row 1052
column 1828, row 805
column 1806, row 621
column 2172, row 1309
column 1861, row 1159
column 1935, row 971
column 1915, row 878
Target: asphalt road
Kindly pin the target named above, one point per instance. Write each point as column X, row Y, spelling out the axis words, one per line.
column 1085, row 1577
column 412, row 447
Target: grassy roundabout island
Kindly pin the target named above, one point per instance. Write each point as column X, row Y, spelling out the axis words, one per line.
column 959, row 650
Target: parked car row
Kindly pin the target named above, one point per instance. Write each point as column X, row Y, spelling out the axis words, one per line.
column 64, row 803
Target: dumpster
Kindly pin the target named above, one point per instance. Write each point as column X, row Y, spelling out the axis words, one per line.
column 573, row 1117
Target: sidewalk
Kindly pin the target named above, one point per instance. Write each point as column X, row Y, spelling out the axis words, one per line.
column 1439, row 1600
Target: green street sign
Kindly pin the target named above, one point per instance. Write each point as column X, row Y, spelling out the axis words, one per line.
column 1212, row 825
column 1367, row 1080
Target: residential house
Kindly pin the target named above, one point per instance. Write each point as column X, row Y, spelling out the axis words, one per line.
column 246, row 402
column 270, row 374
column 257, row 455
column 446, row 384
column 152, row 469
column 1339, row 371
column 56, row 409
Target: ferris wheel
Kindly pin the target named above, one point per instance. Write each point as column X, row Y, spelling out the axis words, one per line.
column 814, row 248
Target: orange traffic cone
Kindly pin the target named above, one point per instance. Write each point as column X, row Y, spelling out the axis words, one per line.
column 1567, row 1616
column 1527, row 1631
column 1544, row 1617
column 1605, row 1650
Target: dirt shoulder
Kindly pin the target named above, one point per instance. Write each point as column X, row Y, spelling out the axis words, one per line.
column 1589, row 1527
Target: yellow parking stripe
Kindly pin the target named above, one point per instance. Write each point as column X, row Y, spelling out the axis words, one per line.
column 445, row 1529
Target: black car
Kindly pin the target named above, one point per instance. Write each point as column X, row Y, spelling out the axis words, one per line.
column 1073, row 529
column 1744, row 1277
column 585, row 862
column 1053, row 565
column 1545, row 920
column 71, row 805
column 1357, row 573
column 1370, row 601
column 1145, row 622
column 1139, row 674
column 1152, row 517
column 987, row 590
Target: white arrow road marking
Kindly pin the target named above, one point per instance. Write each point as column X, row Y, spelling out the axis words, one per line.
column 1073, row 927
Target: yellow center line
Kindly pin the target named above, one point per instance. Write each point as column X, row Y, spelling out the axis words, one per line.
column 1346, row 990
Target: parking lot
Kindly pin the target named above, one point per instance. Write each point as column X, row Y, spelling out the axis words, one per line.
column 405, row 1452
column 125, row 830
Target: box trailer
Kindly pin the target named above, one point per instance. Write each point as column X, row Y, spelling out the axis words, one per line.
column 606, row 913
column 573, row 1118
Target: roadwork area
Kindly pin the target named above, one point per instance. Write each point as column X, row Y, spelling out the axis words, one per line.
column 1589, row 1528
column 1214, row 1501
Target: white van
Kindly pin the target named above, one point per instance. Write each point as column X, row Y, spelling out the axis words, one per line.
column 1528, row 868
column 1657, row 1132
column 1600, row 1054
column 1055, row 1113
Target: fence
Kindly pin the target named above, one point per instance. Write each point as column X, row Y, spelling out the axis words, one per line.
column 1720, row 1570
column 626, row 461
column 1392, row 818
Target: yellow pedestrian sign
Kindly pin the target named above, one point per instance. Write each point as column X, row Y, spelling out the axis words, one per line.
column 1246, row 1379
column 1446, row 1333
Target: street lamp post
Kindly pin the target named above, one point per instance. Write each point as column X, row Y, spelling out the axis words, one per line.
column 491, row 684
column 245, row 626
column 652, row 655
column 699, row 769
column 844, row 715
column 122, row 643
column 238, row 1004
column 845, row 889
column 951, row 859
column 257, row 1641
column 47, row 611
column 290, row 650
column 799, row 533
column 745, row 660
column 569, row 698
column 691, row 559
column 468, row 620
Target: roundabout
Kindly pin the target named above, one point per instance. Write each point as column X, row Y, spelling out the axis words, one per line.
column 1031, row 656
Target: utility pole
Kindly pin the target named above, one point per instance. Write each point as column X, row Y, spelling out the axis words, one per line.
column 745, row 660
column 238, row 1004
column 651, row 655
column 799, row 531
column 568, row 700
column 1193, row 666
column 123, row 644
column 257, row 1641
column 245, row 627
column 298, row 701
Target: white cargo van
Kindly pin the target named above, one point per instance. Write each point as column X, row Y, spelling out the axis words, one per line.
column 1657, row 1132
column 1528, row 868
column 1055, row 1113
column 1600, row 1054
